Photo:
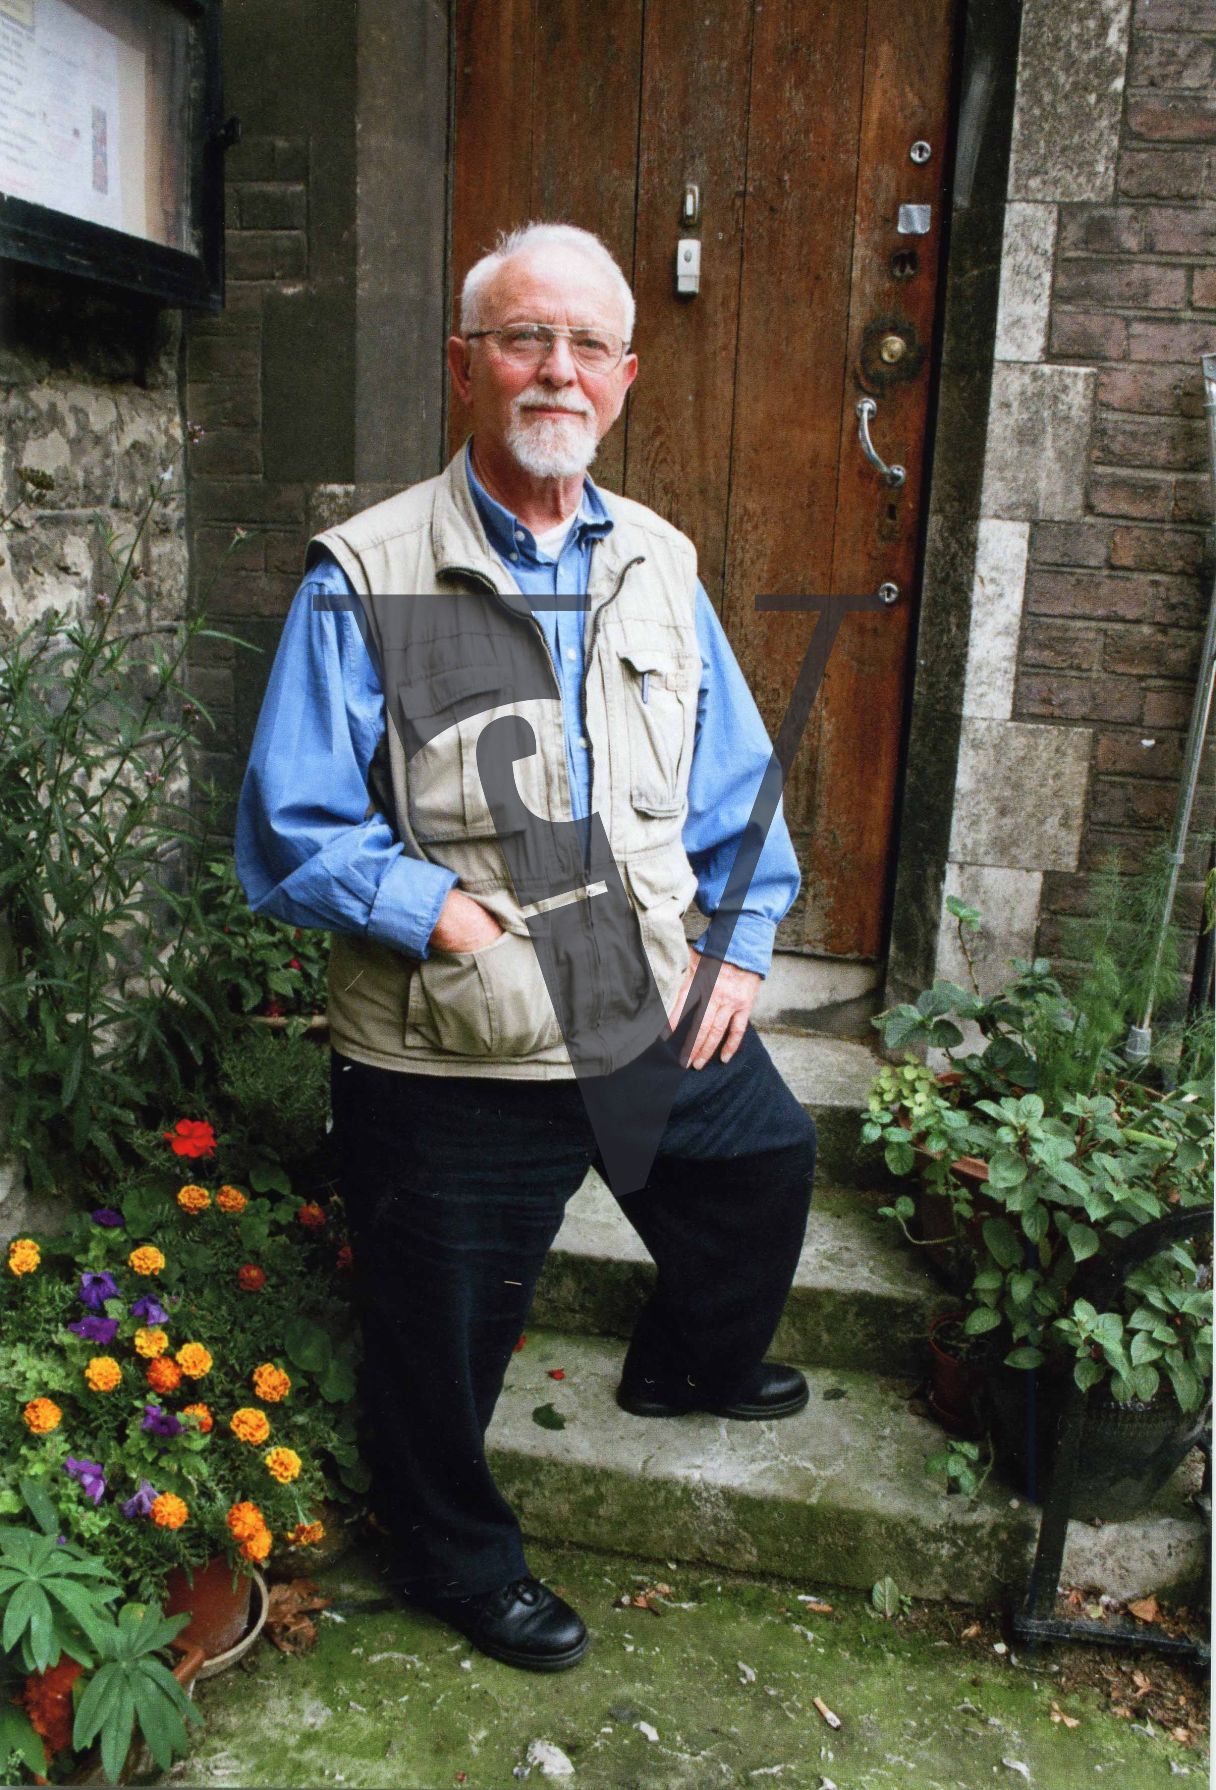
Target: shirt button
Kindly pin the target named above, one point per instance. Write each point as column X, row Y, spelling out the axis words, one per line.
column 582, row 742
column 515, row 556
column 572, row 653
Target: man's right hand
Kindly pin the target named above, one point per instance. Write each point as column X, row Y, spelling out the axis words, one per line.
column 464, row 925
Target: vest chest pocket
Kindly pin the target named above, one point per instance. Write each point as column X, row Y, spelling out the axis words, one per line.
column 443, row 717
column 659, row 697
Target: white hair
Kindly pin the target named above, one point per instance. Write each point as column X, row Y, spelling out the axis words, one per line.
column 539, row 236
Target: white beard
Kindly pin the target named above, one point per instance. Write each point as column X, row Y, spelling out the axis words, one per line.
column 550, row 447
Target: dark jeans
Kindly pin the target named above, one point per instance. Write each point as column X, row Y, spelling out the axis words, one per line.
column 455, row 1188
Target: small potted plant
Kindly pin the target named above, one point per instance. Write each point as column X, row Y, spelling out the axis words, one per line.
column 1077, row 1154
column 179, row 1375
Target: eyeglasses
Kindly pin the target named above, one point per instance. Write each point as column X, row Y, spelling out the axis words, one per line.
column 528, row 344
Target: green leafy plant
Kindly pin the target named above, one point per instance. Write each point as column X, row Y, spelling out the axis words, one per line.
column 888, row 1600
column 960, row 1462
column 101, row 851
column 132, row 1690
column 1069, row 1153
column 53, row 1596
column 258, row 964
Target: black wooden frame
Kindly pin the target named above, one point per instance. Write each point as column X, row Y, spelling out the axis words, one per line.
column 49, row 238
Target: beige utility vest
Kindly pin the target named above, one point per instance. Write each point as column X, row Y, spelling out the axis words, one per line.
column 458, row 647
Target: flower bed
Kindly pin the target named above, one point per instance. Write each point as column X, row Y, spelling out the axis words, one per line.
column 179, row 1374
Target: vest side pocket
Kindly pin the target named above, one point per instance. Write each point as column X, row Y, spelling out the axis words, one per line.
column 487, row 1003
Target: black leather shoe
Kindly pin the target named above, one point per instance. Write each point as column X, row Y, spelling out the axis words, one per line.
column 523, row 1623
column 776, row 1391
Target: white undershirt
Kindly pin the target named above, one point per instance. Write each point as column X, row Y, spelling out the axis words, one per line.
column 554, row 539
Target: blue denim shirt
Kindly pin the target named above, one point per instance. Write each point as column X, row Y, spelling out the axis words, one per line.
column 305, row 851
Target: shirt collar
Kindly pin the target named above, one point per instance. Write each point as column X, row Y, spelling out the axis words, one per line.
column 507, row 534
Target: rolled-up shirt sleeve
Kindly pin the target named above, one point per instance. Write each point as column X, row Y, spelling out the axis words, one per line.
column 308, row 851
column 732, row 754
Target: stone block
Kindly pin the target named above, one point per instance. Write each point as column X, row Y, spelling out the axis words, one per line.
column 996, row 614
column 1172, row 118
column 1152, row 390
column 1020, row 799
column 266, row 254
column 1038, row 439
column 1170, row 59
column 1158, row 549
column 1008, row 901
column 1101, row 229
column 1119, row 280
column 1203, row 288
column 1071, row 62
column 1025, row 296
column 1062, row 646
column 1150, row 651
column 1179, row 229
column 274, row 206
column 1180, row 339
column 1192, row 499
column 1070, row 543
column 1121, row 439
column 1064, row 696
column 1089, row 335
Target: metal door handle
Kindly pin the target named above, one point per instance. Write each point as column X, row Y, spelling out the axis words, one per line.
column 891, row 475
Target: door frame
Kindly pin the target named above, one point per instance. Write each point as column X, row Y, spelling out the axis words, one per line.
column 410, row 407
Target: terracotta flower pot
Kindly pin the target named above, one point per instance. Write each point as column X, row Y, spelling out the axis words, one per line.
column 954, row 1385
column 218, row 1601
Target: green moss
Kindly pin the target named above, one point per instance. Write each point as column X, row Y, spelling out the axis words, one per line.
column 392, row 1697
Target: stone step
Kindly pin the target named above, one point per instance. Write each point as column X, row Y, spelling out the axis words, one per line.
column 836, row 1495
column 831, row 1077
column 861, row 1298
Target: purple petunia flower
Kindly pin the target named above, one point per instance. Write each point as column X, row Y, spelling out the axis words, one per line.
column 91, row 1476
column 160, row 1422
column 140, row 1503
column 95, row 1289
column 96, row 1330
column 149, row 1309
column 109, row 1217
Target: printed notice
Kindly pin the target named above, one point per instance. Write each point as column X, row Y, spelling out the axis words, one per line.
column 59, row 111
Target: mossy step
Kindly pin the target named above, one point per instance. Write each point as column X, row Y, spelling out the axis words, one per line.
column 836, row 1494
column 861, row 1298
column 831, row 1077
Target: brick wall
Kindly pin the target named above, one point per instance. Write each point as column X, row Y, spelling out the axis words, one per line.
column 1116, row 601
column 269, row 380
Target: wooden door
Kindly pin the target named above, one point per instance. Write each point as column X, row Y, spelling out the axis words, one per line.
column 796, row 121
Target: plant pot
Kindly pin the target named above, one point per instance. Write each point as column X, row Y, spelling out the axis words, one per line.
column 217, row 1598
column 260, row 1601
column 1128, row 1452
column 954, row 1385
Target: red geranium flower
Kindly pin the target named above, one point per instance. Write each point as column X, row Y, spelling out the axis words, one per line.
column 345, row 1257
column 251, row 1278
column 274, row 1009
column 191, row 1137
column 295, row 964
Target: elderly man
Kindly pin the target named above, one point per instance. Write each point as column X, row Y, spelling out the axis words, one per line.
column 504, row 744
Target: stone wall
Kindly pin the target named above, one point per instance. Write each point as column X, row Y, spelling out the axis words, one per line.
column 89, row 396
column 1092, row 562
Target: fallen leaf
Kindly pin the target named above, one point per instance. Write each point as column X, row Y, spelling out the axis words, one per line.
column 289, row 1614
column 747, row 1674
column 1069, row 1721
column 1146, row 1608
column 548, row 1418
column 519, row 1345
column 970, row 1632
column 829, row 1716
column 1140, row 1681
column 817, row 1604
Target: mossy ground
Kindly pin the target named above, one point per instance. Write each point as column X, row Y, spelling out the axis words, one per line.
column 725, row 1676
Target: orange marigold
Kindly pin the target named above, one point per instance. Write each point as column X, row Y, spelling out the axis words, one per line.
column 244, row 1520
column 311, row 1216
column 192, row 1198
column 42, row 1415
column 283, row 1464
column 147, row 1259
column 164, row 1375
column 24, row 1255
column 206, row 1422
column 48, row 1703
column 194, row 1360
column 250, row 1278
column 258, row 1545
column 150, row 1342
column 231, row 1199
column 169, row 1511
column 271, row 1383
column 305, row 1535
column 249, row 1424
column 103, row 1373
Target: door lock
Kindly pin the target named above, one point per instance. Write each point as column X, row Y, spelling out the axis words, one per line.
column 892, row 349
